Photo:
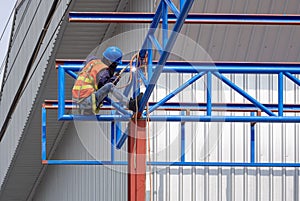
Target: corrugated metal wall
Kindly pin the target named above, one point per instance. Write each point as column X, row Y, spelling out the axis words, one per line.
column 23, row 128
column 17, row 63
column 228, row 142
column 81, row 182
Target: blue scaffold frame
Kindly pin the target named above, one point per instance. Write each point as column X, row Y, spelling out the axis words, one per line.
column 275, row 113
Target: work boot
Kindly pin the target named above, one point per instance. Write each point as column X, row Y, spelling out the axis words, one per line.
column 132, row 103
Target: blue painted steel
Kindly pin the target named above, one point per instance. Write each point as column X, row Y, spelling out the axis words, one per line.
column 127, row 89
column 44, row 137
column 280, row 94
column 269, row 119
column 61, row 92
column 221, row 67
column 156, row 44
column 225, row 106
column 135, row 82
column 178, row 118
column 181, row 4
column 112, row 139
column 142, row 76
column 155, row 163
column 118, row 131
column 173, row 8
column 150, row 60
column 155, row 21
column 103, row 117
column 208, row 93
column 165, row 23
column 182, row 158
column 117, row 106
column 293, row 78
column 122, row 139
column 85, row 162
column 202, row 106
column 243, row 93
column 228, row 164
column 72, row 74
column 194, row 18
column 252, row 139
column 163, row 58
column 176, row 91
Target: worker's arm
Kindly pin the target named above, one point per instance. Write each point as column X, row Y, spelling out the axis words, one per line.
column 103, row 78
column 114, row 79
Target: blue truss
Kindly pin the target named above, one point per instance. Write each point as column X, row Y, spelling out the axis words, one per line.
column 275, row 112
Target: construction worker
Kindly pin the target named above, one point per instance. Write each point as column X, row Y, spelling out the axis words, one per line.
column 97, row 79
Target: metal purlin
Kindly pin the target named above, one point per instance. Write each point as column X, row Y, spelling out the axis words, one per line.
column 162, row 66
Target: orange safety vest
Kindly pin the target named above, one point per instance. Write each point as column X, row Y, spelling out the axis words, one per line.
column 86, row 83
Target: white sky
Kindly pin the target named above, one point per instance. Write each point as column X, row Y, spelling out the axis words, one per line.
column 6, row 7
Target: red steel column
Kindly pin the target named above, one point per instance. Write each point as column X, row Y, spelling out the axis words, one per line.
column 137, row 161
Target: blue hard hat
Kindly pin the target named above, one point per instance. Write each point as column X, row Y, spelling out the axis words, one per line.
column 113, row 54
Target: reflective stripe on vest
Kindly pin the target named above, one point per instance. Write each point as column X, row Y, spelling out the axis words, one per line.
column 83, row 87
column 85, row 79
column 86, row 84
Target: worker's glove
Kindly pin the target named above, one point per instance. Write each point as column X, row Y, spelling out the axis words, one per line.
column 114, row 79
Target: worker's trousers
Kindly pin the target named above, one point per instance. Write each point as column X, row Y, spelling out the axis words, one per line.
column 110, row 88
column 100, row 95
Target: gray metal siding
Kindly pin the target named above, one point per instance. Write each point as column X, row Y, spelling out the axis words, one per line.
column 21, row 52
column 20, row 147
column 81, row 182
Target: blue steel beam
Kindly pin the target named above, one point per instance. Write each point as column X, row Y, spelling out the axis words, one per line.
column 179, row 118
column 122, row 139
column 252, row 141
column 83, row 162
column 221, row 67
column 150, row 60
column 154, row 23
column 182, row 141
column 208, row 93
column 117, row 106
column 143, row 78
column 228, row 164
column 44, row 132
column 233, row 107
column 61, row 92
column 243, row 93
column 155, row 43
column 173, row 8
column 176, row 91
column 112, row 139
column 293, row 78
column 181, row 4
column 192, row 18
column 280, row 94
column 157, row 163
column 163, row 58
column 165, row 24
column 262, row 119
column 69, row 117
column 72, row 74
